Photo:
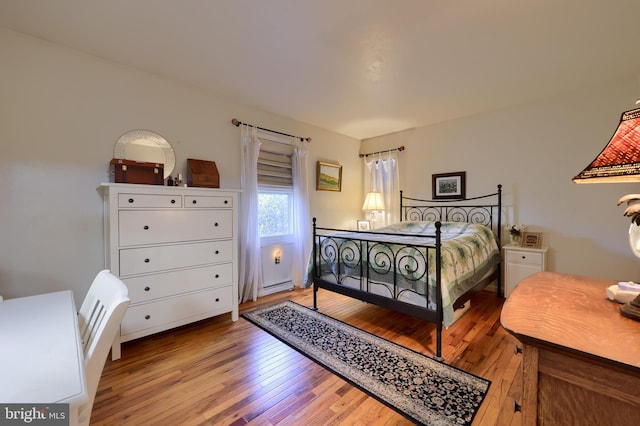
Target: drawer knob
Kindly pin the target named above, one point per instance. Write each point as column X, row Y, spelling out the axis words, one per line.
column 145, row 227
column 173, row 201
column 524, row 257
column 217, row 275
column 217, row 299
column 215, row 224
column 147, row 260
column 516, row 407
column 226, row 201
column 131, row 200
column 194, row 202
column 517, row 350
column 217, row 251
column 147, row 317
column 147, row 288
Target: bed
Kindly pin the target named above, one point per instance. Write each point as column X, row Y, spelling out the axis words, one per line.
column 427, row 265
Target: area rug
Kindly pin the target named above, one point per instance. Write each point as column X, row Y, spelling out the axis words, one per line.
column 422, row 389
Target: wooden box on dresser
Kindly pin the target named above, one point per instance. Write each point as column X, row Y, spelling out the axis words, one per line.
column 176, row 249
column 581, row 357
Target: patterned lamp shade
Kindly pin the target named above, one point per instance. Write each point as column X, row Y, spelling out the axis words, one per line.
column 619, row 161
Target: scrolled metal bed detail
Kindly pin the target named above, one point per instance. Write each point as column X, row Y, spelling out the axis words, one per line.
column 401, row 267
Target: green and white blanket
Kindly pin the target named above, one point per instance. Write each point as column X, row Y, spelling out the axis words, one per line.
column 469, row 251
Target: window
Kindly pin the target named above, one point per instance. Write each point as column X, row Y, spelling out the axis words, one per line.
column 275, row 191
column 275, row 212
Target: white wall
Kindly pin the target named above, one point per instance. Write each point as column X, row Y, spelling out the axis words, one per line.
column 534, row 150
column 279, row 273
column 61, row 112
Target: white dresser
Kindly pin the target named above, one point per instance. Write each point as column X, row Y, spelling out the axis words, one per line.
column 176, row 249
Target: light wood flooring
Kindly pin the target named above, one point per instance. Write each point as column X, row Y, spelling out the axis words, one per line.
column 217, row 372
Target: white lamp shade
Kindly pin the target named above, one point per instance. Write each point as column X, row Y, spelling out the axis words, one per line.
column 373, row 201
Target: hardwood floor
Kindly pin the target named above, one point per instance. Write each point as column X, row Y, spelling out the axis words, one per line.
column 217, row 372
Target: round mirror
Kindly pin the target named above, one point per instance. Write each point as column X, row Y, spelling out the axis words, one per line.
column 145, row 145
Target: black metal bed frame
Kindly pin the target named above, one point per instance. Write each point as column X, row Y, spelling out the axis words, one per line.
column 367, row 260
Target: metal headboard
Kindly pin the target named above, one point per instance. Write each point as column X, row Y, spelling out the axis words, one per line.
column 463, row 210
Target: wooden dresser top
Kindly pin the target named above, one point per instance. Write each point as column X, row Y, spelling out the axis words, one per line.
column 572, row 312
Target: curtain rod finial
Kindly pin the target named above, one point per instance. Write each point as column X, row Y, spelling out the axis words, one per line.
column 235, row 122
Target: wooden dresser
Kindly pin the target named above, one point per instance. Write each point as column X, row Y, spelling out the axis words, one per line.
column 581, row 358
column 176, row 249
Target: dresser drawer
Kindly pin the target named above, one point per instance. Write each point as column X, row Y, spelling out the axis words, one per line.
column 176, row 309
column 155, row 286
column 206, row 201
column 144, row 260
column 149, row 201
column 527, row 257
column 140, row 227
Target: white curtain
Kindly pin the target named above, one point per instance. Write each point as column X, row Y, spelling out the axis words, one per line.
column 250, row 273
column 382, row 174
column 301, row 216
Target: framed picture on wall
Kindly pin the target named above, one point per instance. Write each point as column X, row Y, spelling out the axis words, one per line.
column 328, row 177
column 364, row 225
column 449, row 186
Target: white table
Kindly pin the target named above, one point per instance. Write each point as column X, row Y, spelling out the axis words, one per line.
column 41, row 358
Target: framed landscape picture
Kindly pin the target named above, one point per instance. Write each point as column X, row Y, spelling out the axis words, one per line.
column 329, row 177
column 449, row 186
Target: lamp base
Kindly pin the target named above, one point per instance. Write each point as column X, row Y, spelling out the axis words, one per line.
column 632, row 309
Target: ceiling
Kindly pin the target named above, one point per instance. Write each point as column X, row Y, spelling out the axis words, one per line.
column 362, row 68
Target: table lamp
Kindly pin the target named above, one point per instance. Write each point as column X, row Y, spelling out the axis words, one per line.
column 619, row 162
column 374, row 203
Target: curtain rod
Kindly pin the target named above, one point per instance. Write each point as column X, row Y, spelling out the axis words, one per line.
column 237, row 123
column 400, row 148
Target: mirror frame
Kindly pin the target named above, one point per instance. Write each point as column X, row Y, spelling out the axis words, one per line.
column 151, row 138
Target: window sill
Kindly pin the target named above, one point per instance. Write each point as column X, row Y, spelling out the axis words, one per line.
column 276, row 239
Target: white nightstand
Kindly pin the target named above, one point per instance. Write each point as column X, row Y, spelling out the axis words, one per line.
column 520, row 262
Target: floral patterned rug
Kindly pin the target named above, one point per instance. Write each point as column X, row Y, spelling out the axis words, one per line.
column 422, row 389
